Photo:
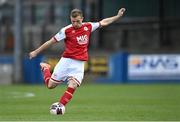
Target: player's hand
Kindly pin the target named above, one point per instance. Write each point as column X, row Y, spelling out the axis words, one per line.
column 32, row 54
column 121, row 12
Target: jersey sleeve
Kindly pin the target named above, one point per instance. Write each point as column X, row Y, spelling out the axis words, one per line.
column 60, row 35
column 95, row 25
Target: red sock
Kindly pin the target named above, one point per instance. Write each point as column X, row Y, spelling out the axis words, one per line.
column 47, row 76
column 67, row 96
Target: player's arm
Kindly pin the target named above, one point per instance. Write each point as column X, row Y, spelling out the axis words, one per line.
column 41, row 48
column 58, row 37
column 110, row 20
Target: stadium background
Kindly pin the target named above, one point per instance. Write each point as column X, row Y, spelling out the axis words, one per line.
column 141, row 48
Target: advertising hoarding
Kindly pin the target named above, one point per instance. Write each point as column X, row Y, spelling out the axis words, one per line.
column 153, row 67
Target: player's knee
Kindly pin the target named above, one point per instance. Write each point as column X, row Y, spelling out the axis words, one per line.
column 51, row 85
column 72, row 84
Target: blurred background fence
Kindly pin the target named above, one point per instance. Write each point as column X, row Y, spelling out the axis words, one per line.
column 148, row 27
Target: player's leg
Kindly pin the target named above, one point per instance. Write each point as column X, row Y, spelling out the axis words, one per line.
column 68, row 94
column 52, row 84
column 47, row 76
column 75, row 76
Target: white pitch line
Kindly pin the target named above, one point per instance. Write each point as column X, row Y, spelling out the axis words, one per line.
column 22, row 94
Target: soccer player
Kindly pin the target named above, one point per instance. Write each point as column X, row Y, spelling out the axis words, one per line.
column 71, row 65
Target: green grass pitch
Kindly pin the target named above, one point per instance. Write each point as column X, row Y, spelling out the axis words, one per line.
column 92, row 102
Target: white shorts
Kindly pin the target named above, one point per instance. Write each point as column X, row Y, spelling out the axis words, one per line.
column 67, row 69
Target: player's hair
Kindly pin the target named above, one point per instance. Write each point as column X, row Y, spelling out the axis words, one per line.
column 76, row 12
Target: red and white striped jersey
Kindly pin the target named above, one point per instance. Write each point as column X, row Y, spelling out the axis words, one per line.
column 76, row 40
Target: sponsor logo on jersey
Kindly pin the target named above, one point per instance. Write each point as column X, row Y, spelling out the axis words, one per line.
column 82, row 39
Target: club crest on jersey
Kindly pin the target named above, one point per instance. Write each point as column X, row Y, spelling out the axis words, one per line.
column 82, row 39
column 85, row 28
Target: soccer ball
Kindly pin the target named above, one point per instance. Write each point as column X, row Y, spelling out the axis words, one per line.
column 57, row 109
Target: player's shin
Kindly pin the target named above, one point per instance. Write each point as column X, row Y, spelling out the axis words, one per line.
column 47, row 76
column 67, row 96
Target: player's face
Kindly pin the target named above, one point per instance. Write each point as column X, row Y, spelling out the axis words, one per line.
column 77, row 21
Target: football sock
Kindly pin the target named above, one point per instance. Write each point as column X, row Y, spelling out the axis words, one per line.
column 67, row 96
column 47, row 76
